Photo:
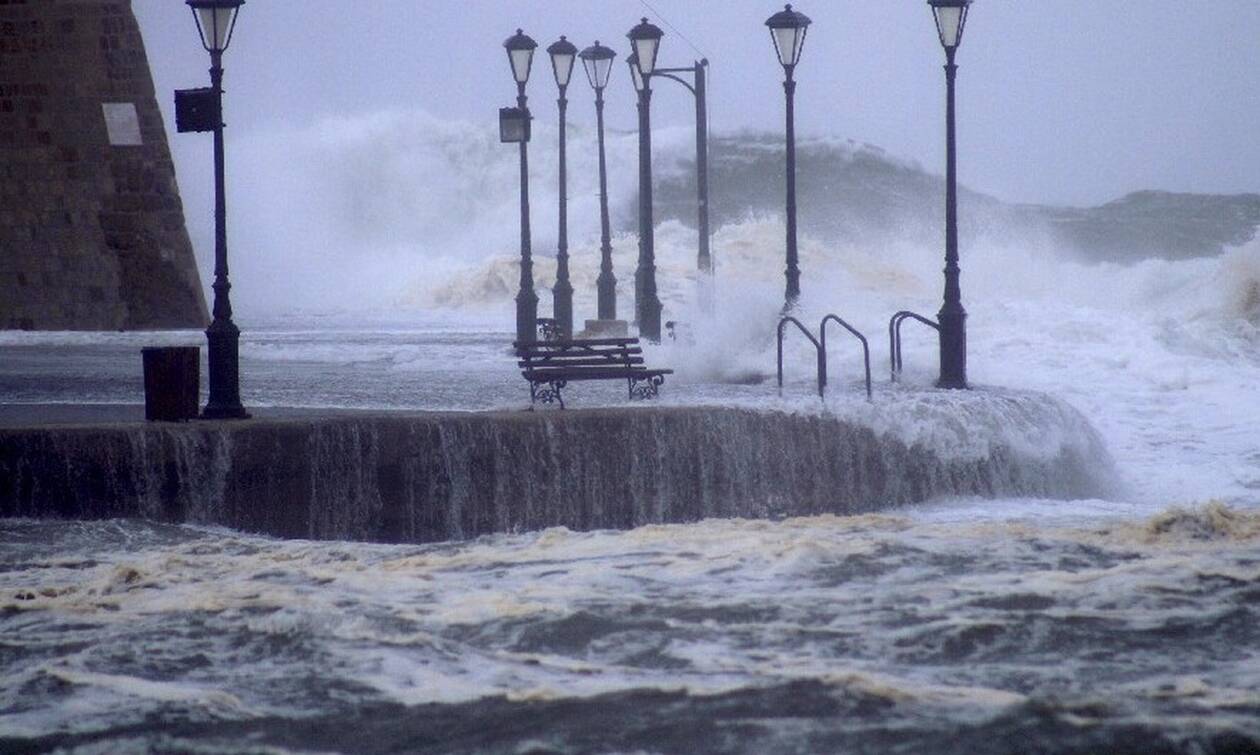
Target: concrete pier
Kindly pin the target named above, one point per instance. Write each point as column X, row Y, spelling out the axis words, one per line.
column 422, row 477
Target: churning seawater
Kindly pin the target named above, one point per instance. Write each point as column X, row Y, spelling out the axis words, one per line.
column 958, row 626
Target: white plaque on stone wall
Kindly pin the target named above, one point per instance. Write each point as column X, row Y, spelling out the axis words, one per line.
column 122, row 123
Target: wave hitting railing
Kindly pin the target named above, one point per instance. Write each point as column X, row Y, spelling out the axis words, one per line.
column 894, row 338
column 820, row 349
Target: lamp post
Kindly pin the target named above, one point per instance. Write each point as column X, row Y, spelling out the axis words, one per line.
column 951, row 18
column 699, row 91
column 597, row 60
column 520, row 51
column 216, row 19
column 562, row 55
column 787, row 30
column 645, row 40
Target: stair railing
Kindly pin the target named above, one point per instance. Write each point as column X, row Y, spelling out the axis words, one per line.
column 866, row 349
column 894, row 338
column 818, row 349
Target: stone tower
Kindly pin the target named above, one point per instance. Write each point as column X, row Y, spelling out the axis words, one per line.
column 92, row 233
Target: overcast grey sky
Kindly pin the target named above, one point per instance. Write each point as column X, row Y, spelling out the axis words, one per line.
column 1063, row 101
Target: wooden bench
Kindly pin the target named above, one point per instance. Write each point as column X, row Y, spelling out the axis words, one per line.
column 551, row 365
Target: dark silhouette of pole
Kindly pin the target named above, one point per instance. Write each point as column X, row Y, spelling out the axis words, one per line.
column 526, row 298
column 223, row 336
column 952, row 317
column 562, row 292
column 698, row 89
column 647, row 304
column 793, row 270
column 704, row 259
column 607, row 282
column 788, row 29
column 645, row 40
column 563, row 56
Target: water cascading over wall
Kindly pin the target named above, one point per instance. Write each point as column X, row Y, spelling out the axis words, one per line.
column 432, row 477
column 92, row 233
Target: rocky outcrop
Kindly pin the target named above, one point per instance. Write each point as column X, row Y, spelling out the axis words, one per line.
column 858, row 194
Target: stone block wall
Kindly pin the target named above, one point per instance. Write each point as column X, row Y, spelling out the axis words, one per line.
column 92, row 233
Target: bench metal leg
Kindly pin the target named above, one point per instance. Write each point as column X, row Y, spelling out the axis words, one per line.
column 548, row 393
column 645, row 387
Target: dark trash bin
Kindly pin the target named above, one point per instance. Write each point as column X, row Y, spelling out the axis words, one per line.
column 172, row 383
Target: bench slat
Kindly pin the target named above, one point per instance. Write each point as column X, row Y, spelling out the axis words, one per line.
column 580, row 354
column 534, row 364
column 580, row 350
column 591, row 373
column 575, row 342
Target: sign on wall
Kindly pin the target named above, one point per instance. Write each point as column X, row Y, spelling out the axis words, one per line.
column 122, row 123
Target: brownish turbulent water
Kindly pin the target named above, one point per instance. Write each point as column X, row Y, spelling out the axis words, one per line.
column 931, row 631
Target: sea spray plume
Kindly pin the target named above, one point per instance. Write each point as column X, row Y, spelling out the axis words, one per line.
column 1242, row 271
column 369, row 208
column 365, row 208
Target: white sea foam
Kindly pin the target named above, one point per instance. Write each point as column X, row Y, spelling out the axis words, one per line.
column 217, row 625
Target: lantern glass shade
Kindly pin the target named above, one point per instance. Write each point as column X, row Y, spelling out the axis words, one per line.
column 645, row 40
column 598, row 61
column 636, row 77
column 215, row 20
column 562, row 55
column 788, row 43
column 520, row 50
column 951, row 17
column 787, row 30
column 598, row 72
column 562, row 65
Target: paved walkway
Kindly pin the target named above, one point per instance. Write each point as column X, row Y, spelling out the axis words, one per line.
column 42, row 415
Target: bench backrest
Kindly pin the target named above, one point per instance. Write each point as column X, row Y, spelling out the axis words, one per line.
column 590, row 352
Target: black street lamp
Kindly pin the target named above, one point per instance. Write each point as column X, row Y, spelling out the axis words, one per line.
column 787, row 30
column 562, row 55
column 520, row 51
column 951, row 18
column 698, row 89
column 597, row 60
column 216, row 19
column 645, row 40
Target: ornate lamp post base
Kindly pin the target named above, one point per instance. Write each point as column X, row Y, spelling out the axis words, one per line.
column 223, row 342
column 526, row 316
column 562, row 307
column 953, row 339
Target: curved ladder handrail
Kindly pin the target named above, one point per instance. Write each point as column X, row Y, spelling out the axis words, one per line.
column 866, row 349
column 818, row 347
column 894, row 338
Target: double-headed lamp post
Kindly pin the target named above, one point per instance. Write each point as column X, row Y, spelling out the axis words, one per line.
column 520, row 51
column 598, row 60
column 563, row 54
column 951, row 18
column 787, row 30
column 645, row 40
column 216, row 19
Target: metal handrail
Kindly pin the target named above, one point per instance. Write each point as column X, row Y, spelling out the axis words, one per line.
column 818, row 347
column 894, row 338
column 866, row 350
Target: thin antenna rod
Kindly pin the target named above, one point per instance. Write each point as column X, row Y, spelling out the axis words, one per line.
column 673, row 28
